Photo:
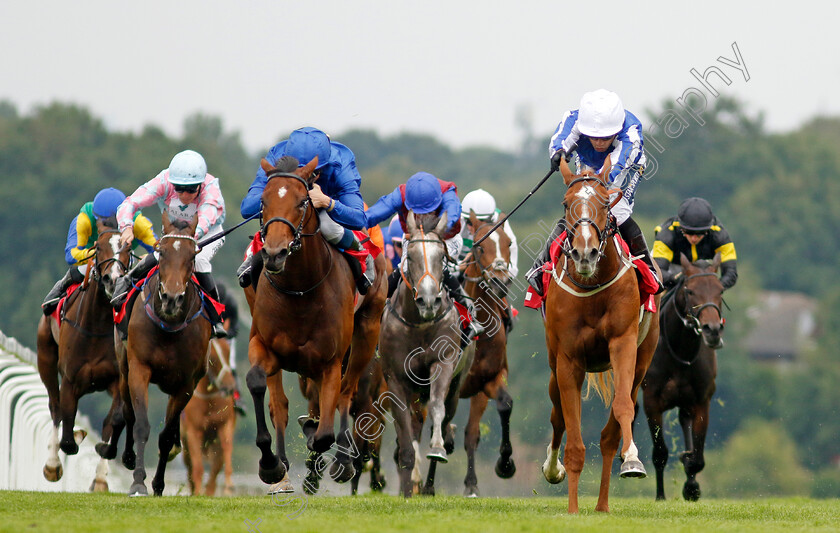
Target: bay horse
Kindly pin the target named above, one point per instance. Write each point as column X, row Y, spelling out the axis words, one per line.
column 682, row 373
column 168, row 337
column 420, row 348
column 82, row 351
column 209, row 421
column 307, row 320
column 592, row 324
column 486, row 281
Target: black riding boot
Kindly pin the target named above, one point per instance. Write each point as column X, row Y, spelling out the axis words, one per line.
column 205, row 279
column 71, row 277
column 635, row 239
column 457, row 293
column 244, row 271
column 393, row 281
column 534, row 276
column 137, row 272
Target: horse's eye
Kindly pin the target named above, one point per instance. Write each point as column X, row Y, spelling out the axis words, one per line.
column 689, row 292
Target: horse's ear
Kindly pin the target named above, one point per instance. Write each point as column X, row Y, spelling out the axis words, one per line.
column 686, row 264
column 473, row 219
column 193, row 224
column 440, row 228
column 565, row 171
column 309, row 169
column 411, row 223
column 266, row 166
column 605, row 173
column 716, row 262
column 167, row 225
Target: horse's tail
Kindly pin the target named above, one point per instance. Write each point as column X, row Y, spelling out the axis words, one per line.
column 603, row 384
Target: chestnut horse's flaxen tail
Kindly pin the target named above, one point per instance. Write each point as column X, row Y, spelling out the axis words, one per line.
column 603, row 384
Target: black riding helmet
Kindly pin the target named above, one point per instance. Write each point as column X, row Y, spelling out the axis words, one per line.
column 695, row 215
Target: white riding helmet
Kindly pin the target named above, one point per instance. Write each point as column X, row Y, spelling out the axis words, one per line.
column 480, row 201
column 601, row 114
column 187, row 168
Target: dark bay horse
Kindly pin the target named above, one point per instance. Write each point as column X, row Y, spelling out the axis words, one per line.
column 209, row 421
column 82, row 351
column 592, row 324
column 420, row 348
column 682, row 373
column 306, row 320
column 486, row 280
column 168, row 337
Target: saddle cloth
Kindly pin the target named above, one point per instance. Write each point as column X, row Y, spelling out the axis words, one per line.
column 56, row 314
column 647, row 282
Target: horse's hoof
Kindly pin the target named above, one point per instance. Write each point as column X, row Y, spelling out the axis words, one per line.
column 104, row 450
column 272, row 475
column 342, row 472
column 449, row 439
column 554, row 478
column 137, row 489
column 284, row 486
column 53, row 473
column 322, row 444
column 505, row 468
column 427, row 491
column 173, row 453
column 70, row 448
column 308, row 425
column 471, row 492
column 632, row 468
column 691, row 491
column 377, row 485
column 99, row 486
column 79, row 435
column 129, row 459
column 437, row 454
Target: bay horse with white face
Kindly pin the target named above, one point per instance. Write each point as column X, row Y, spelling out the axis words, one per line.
column 592, row 324
column 82, row 351
column 682, row 373
column 306, row 319
column 168, row 336
column 486, row 280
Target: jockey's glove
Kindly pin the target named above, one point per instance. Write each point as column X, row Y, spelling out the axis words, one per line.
column 555, row 159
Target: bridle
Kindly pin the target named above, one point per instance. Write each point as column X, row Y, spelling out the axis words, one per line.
column 297, row 230
column 485, row 272
column 603, row 235
column 426, row 269
column 216, row 381
column 99, row 266
column 689, row 317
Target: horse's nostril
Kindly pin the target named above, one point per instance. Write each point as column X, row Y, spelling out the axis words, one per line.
column 575, row 255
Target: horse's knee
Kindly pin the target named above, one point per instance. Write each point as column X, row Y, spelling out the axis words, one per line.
column 575, row 457
column 504, row 403
column 406, row 458
column 255, row 380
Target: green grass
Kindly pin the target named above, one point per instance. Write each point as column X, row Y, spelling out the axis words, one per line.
column 32, row 511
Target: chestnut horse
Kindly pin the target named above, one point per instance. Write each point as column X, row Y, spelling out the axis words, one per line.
column 306, row 320
column 168, row 337
column 682, row 373
column 82, row 352
column 209, row 421
column 420, row 350
column 486, row 280
column 592, row 324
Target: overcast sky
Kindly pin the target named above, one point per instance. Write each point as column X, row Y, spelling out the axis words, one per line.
column 457, row 70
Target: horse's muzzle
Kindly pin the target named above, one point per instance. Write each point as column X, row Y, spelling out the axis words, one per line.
column 274, row 260
column 712, row 336
column 170, row 304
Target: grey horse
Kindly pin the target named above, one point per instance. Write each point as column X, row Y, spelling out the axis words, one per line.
column 420, row 348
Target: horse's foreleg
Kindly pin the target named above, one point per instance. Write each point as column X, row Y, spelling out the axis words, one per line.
column 48, row 370
column 659, row 456
column 610, row 436
column 226, row 439
column 138, row 385
column 505, row 467
column 279, row 409
column 69, row 403
column 329, row 386
column 271, row 470
column 694, row 461
column 129, row 458
column 192, row 437
column 437, row 409
column 472, row 434
column 403, row 412
column 214, row 453
column 569, row 384
column 623, row 360
column 170, row 436
column 553, row 469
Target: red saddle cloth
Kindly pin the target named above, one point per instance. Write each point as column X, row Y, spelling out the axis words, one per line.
column 56, row 315
column 129, row 299
column 647, row 282
column 360, row 255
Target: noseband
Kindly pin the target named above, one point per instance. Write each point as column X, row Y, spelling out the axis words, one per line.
column 297, row 230
column 98, row 266
column 603, row 234
column 426, row 270
column 691, row 318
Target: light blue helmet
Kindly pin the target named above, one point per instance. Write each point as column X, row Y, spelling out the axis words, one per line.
column 305, row 143
column 187, row 168
column 422, row 193
column 106, row 202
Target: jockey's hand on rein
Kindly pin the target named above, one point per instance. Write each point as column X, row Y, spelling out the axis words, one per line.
column 555, row 160
column 126, row 237
column 319, row 199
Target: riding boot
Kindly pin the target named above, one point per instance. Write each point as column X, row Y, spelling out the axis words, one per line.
column 534, row 276
column 72, row 276
column 366, row 279
column 243, row 273
column 137, row 272
column 208, row 285
column 393, row 280
column 635, row 239
column 457, row 293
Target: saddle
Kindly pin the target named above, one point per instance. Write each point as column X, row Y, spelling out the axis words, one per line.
column 59, row 309
column 647, row 282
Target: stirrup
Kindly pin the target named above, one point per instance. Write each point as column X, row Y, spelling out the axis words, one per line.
column 243, row 273
column 219, row 331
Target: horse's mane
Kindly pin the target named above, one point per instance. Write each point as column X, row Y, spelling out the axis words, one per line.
column 427, row 221
column 702, row 263
column 179, row 224
column 287, row 163
column 110, row 222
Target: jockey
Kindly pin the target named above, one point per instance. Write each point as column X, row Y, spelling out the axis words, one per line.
column 695, row 232
column 483, row 205
column 335, row 194
column 423, row 193
column 599, row 128
column 82, row 236
column 393, row 246
column 183, row 190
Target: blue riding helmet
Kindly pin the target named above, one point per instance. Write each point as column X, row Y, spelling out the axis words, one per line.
column 422, row 193
column 305, row 143
column 106, row 202
column 395, row 230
